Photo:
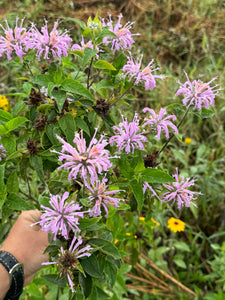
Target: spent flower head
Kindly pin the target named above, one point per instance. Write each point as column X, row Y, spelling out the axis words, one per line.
column 197, row 93
column 178, row 191
column 101, row 197
column 14, row 41
column 61, row 217
column 133, row 69
column 69, row 259
column 54, row 43
column 124, row 38
column 89, row 161
column 159, row 123
column 129, row 135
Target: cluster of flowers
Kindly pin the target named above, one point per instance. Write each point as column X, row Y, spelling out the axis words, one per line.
column 57, row 44
column 88, row 162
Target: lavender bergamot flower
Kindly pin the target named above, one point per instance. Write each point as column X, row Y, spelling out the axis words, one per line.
column 133, row 69
column 197, row 93
column 54, row 43
column 102, row 197
column 14, row 41
column 158, row 124
column 129, row 136
column 61, row 217
column 124, row 38
column 88, row 161
column 178, row 191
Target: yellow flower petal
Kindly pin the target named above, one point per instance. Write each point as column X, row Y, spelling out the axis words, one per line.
column 176, row 225
column 187, row 141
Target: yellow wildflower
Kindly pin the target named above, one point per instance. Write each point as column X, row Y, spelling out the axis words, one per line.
column 187, row 141
column 176, row 225
column 4, row 103
column 154, row 221
column 116, row 241
column 128, row 233
column 142, row 219
column 135, row 236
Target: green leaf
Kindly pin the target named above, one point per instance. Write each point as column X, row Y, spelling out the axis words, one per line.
column 88, row 54
column 107, row 84
column 155, row 176
column 60, row 97
column 9, row 144
column 86, row 284
column 13, row 183
column 90, row 266
column 51, row 131
column 119, row 62
column 180, row 263
column 3, row 192
column 125, row 167
column 67, row 125
column 5, row 116
column 82, row 125
column 15, row 123
column 18, row 107
column 106, row 247
column 42, row 80
column 206, row 113
column 74, row 86
column 79, row 22
column 17, row 203
column 3, row 130
column 36, row 163
column 137, row 189
column 85, row 223
column 182, row 246
column 111, row 272
column 54, row 278
column 57, row 77
column 16, row 154
column 103, row 64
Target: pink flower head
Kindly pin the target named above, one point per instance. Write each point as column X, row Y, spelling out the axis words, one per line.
column 89, row 44
column 129, row 136
column 102, row 197
column 124, row 36
column 158, row 123
column 178, row 191
column 68, row 259
column 14, row 40
column 2, row 151
column 62, row 217
column 56, row 43
column 132, row 68
column 198, row 93
column 89, row 161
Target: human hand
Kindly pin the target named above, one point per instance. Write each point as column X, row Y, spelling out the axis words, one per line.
column 27, row 243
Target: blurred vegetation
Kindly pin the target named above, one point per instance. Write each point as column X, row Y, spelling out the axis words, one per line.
column 180, row 35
